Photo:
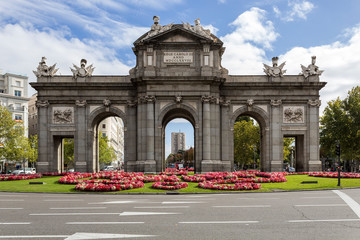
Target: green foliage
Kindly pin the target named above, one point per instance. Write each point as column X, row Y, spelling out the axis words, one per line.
column 14, row 145
column 106, row 152
column 33, row 149
column 288, row 143
column 341, row 121
column 6, row 123
column 246, row 141
column 68, row 152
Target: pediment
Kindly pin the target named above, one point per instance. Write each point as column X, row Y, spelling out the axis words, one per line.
column 176, row 33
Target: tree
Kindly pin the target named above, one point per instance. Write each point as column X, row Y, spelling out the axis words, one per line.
column 287, row 148
column 6, row 123
column 33, row 149
column 106, row 152
column 68, row 152
column 246, row 142
column 341, row 122
column 14, row 145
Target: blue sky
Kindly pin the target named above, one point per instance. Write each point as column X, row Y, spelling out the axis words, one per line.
column 102, row 31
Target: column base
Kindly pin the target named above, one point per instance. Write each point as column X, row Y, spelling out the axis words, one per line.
column 314, row 166
column 276, row 166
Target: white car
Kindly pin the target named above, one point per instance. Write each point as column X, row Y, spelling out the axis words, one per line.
column 27, row 171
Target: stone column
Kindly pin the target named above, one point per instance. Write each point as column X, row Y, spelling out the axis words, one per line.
column 225, row 135
column 150, row 164
column 314, row 163
column 276, row 137
column 130, row 143
column 43, row 164
column 82, row 164
column 206, row 163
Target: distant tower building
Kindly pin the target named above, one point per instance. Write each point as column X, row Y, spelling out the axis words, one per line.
column 177, row 141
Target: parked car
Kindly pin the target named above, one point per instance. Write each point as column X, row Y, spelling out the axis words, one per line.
column 291, row 169
column 109, row 168
column 27, row 171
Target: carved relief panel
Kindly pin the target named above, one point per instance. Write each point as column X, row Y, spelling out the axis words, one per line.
column 293, row 114
column 63, row 115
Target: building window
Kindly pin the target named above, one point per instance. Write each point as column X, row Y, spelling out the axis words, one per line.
column 2, row 91
column 104, row 126
column 18, row 117
column 18, row 83
column 104, row 134
column 17, row 93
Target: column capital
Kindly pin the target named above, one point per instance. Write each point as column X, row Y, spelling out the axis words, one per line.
column 275, row 103
column 80, row 103
column 314, row 103
column 146, row 99
column 42, row 103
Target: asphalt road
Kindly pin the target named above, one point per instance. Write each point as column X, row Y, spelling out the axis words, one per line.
column 283, row 215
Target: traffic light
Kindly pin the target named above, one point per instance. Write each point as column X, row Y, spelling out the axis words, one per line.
column 338, row 149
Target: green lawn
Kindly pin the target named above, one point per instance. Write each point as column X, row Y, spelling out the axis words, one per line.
column 293, row 184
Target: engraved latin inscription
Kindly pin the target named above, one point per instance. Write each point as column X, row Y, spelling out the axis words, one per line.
column 178, row 57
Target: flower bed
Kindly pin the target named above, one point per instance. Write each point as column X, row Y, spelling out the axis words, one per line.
column 19, row 177
column 236, row 187
column 334, row 175
column 169, row 185
column 193, row 178
column 174, row 171
column 153, row 178
column 73, row 178
column 102, row 187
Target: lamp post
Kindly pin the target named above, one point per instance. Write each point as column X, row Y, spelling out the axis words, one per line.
column 254, row 147
column 338, row 152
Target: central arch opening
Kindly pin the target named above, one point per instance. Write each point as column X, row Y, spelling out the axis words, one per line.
column 247, row 143
column 178, row 140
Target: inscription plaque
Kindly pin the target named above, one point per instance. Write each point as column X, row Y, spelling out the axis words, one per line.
column 178, row 57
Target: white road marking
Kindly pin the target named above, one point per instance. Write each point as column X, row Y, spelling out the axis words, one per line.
column 107, row 223
column 70, row 214
column 321, row 205
column 165, row 207
column 78, row 236
column 63, row 200
column 15, row 223
column 113, row 202
column 349, row 201
column 35, row 236
column 317, row 197
column 219, row 222
column 78, row 208
column 11, row 208
column 81, row 236
column 244, row 206
column 180, row 202
column 11, row 200
column 260, row 198
column 144, row 213
column 12, row 195
column 324, row 220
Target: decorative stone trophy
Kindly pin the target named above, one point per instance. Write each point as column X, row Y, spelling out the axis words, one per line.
column 82, row 71
column 43, row 70
column 275, row 70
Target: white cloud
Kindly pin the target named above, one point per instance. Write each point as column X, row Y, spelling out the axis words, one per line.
column 298, row 9
column 212, row 29
column 341, row 62
column 24, row 46
column 246, row 45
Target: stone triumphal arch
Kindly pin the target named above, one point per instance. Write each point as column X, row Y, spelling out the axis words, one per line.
column 178, row 73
